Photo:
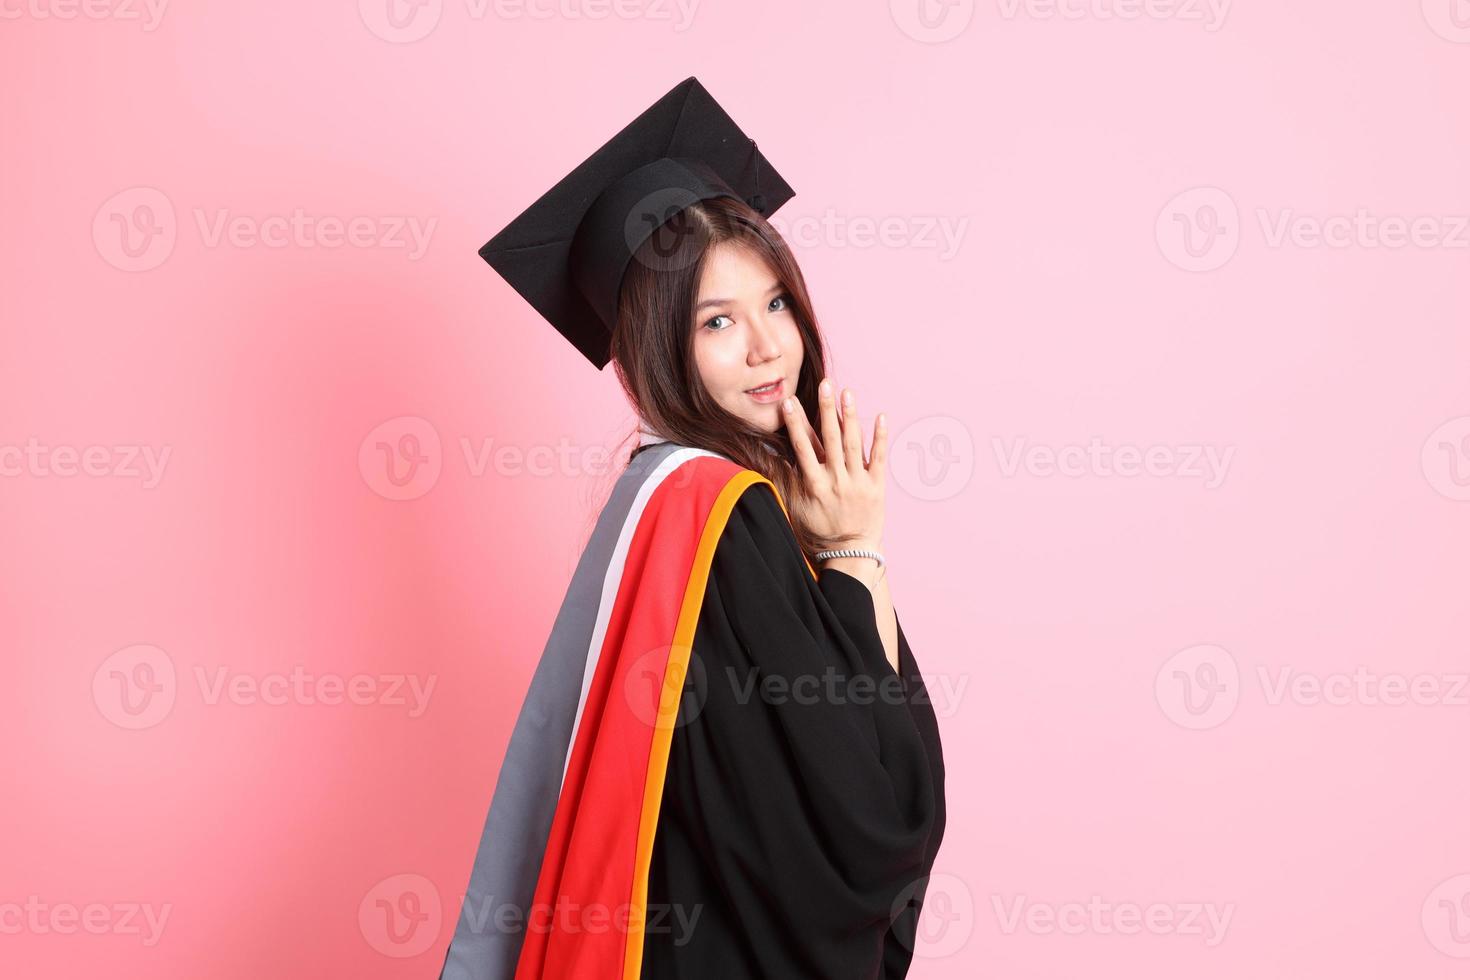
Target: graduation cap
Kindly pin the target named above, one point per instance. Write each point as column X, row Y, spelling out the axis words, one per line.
column 567, row 252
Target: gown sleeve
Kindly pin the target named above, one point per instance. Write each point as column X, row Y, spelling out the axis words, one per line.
column 898, row 948
column 800, row 801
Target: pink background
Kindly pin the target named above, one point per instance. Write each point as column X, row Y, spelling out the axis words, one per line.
column 1115, row 643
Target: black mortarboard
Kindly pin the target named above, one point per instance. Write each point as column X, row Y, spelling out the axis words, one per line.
column 566, row 253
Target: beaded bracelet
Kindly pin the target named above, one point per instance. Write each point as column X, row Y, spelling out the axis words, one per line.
column 850, row 553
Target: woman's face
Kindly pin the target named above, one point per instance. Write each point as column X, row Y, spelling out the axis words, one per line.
column 745, row 335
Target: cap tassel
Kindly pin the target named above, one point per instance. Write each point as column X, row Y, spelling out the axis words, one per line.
column 757, row 200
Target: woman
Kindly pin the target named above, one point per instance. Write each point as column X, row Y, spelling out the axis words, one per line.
column 793, row 835
column 750, row 782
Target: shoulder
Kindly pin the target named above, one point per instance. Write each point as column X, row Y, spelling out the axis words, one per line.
column 736, row 512
column 710, row 482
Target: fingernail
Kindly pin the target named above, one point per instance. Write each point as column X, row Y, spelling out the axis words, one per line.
column 847, row 398
column 826, row 387
column 786, row 404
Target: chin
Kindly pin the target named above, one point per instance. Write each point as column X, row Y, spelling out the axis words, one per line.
column 769, row 421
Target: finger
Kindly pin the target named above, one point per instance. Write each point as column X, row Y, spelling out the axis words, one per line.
column 811, row 434
column 878, row 468
column 831, row 429
column 852, row 433
column 804, row 419
column 797, row 428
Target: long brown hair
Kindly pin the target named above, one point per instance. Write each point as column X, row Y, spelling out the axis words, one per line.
column 653, row 344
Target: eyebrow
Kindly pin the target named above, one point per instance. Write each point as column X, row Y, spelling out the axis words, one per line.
column 720, row 302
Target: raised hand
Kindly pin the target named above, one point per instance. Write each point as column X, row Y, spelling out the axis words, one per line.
column 845, row 494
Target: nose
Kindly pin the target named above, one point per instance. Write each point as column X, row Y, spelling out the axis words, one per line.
column 764, row 343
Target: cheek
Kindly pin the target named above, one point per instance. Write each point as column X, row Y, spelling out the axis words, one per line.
column 720, row 365
column 791, row 343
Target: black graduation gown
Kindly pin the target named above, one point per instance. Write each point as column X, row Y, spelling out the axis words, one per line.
column 797, row 827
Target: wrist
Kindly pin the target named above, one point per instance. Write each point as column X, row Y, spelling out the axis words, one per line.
column 868, row 569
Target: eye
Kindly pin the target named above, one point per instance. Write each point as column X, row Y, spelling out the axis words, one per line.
column 784, row 298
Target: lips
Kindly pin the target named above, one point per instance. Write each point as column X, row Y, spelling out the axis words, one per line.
column 773, row 381
column 776, row 392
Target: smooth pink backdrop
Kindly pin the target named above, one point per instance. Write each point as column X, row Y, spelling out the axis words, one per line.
column 1131, row 203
